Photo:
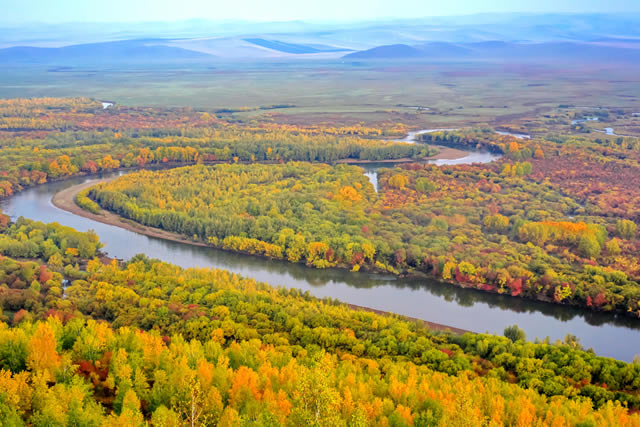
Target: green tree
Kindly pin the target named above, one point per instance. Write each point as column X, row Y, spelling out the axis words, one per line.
column 626, row 229
column 514, row 333
column 588, row 246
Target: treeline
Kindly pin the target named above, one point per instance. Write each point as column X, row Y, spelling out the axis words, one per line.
column 27, row 162
column 82, row 199
column 107, row 344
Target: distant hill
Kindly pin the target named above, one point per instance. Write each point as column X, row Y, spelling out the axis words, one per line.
column 128, row 51
column 444, row 50
column 500, row 50
column 202, row 50
column 387, row 52
column 508, row 27
column 293, row 48
column 258, row 48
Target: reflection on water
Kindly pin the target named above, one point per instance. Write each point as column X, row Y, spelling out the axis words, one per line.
column 421, row 298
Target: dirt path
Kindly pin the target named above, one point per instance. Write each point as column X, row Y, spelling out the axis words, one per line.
column 65, row 200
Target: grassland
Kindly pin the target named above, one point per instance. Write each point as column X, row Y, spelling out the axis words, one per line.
column 456, row 94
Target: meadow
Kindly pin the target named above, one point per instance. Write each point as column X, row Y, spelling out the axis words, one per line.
column 341, row 91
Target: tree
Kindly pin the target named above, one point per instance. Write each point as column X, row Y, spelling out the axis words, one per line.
column 318, row 402
column 514, row 333
column 348, row 193
column 626, row 229
column 425, row 185
column 43, row 356
column 398, row 181
column 539, row 154
column 613, row 247
column 588, row 246
column 498, row 223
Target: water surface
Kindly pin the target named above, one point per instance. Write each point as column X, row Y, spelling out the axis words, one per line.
column 515, row 135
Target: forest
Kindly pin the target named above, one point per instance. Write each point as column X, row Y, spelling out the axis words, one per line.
column 536, row 223
column 472, row 225
column 49, row 139
column 88, row 341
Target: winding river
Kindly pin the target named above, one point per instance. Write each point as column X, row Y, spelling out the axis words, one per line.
column 608, row 335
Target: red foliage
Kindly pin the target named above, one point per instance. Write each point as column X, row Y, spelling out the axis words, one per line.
column 19, row 316
column 329, row 255
column 175, row 307
column 447, row 351
column 4, row 221
column 90, row 167
column 461, row 278
column 44, row 275
column 600, row 300
column 357, row 258
column 64, row 317
column 613, row 187
column 515, row 286
column 91, row 371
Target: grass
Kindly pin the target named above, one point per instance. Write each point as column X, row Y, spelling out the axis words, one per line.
column 457, row 94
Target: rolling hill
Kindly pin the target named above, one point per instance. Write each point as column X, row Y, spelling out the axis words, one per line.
column 500, row 50
column 293, row 47
column 128, row 51
column 387, row 52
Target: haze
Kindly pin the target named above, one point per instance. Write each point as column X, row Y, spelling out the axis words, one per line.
column 16, row 12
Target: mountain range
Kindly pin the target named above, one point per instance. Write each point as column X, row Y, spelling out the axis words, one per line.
column 521, row 37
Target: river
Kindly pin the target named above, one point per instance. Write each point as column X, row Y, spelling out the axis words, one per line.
column 515, row 135
column 608, row 335
column 411, row 136
column 371, row 169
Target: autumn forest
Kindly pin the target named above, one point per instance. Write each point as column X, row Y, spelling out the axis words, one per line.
column 87, row 339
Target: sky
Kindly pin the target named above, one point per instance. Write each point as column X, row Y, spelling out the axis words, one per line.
column 16, row 12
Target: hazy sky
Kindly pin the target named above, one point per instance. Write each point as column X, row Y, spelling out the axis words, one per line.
column 60, row 11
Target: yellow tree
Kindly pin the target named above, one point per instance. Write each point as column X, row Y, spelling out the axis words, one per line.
column 43, row 356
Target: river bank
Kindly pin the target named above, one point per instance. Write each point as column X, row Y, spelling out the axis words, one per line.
column 431, row 325
column 65, row 200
